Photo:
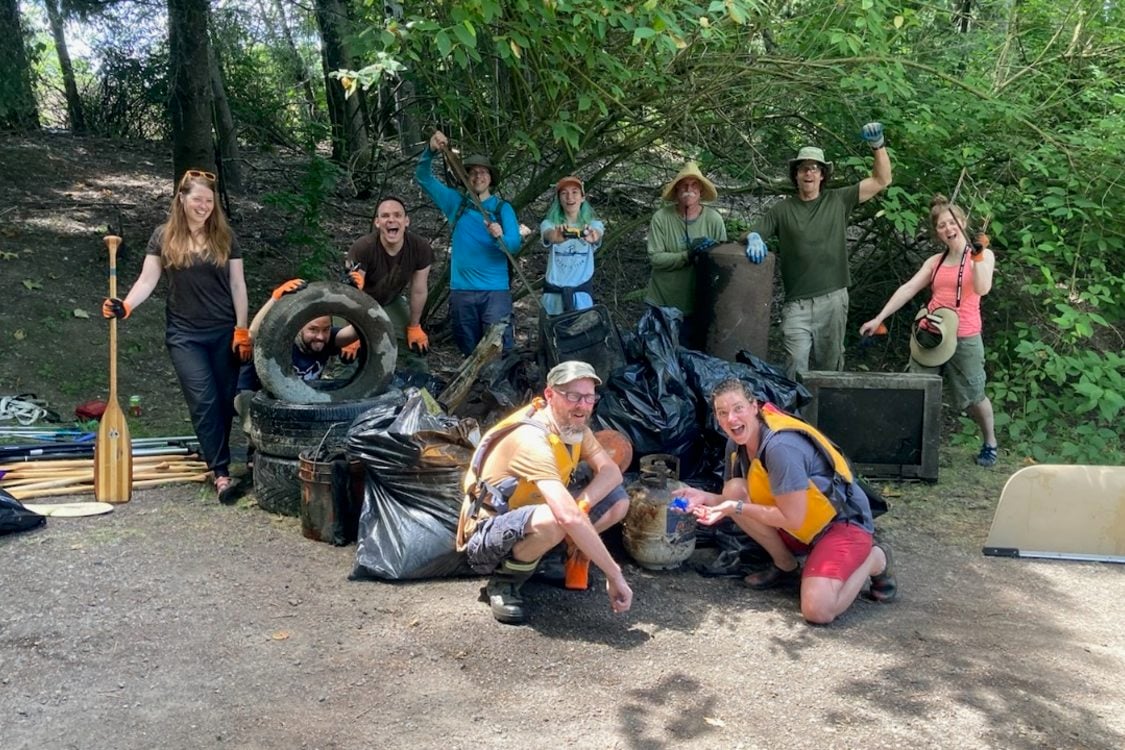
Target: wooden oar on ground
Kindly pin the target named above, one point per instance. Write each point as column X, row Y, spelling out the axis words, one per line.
column 113, row 450
column 79, row 489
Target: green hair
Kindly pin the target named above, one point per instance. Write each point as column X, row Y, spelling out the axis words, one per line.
column 557, row 216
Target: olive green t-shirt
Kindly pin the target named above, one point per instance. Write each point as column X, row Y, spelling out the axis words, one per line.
column 672, row 283
column 811, row 243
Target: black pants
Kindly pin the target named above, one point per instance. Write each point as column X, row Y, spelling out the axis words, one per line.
column 208, row 373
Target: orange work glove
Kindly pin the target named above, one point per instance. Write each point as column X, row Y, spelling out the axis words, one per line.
column 242, row 344
column 979, row 244
column 115, row 308
column 293, row 285
column 356, row 276
column 350, row 352
column 417, row 340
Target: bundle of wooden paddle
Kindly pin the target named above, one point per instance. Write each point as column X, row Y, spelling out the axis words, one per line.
column 76, row 476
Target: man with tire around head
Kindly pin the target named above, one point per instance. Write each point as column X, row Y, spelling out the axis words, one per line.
column 810, row 228
column 317, row 342
column 480, row 291
column 517, row 503
column 386, row 262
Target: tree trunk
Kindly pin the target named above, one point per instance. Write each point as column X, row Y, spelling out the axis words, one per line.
column 73, row 102
column 349, row 131
column 296, row 63
column 190, row 79
column 409, row 131
column 17, row 99
column 230, row 168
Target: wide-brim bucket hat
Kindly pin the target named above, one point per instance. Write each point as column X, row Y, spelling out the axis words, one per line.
column 480, row 160
column 708, row 192
column 810, row 153
column 934, row 345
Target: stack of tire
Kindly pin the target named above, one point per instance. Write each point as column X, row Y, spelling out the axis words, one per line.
column 289, row 415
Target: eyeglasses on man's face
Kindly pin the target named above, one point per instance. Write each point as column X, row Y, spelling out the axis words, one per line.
column 809, row 166
column 574, row 398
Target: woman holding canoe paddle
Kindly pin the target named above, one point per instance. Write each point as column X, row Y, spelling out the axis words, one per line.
column 206, row 312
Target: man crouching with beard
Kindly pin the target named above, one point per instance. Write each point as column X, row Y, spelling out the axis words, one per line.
column 517, row 506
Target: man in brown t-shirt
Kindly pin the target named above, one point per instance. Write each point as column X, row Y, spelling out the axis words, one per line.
column 388, row 261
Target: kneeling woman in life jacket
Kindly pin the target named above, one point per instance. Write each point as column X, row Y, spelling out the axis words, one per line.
column 792, row 491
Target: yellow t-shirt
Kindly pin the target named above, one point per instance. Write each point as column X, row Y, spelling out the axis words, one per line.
column 524, row 454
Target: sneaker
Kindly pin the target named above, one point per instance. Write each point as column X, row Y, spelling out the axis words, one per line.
column 987, row 455
column 773, row 577
column 884, row 587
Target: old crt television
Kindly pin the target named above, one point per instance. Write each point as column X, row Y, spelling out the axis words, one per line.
column 888, row 424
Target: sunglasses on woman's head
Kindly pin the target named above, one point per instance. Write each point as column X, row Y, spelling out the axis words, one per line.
column 189, row 174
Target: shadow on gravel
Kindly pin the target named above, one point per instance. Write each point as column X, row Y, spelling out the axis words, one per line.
column 1014, row 657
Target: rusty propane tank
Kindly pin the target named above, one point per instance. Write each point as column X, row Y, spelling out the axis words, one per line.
column 656, row 537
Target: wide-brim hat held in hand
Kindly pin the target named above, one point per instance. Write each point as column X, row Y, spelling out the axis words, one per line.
column 708, row 192
column 480, row 160
column 933, row 337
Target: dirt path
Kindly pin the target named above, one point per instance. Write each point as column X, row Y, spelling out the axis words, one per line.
column 179, row 623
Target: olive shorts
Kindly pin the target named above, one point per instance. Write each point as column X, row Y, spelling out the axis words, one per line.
column 963, row 373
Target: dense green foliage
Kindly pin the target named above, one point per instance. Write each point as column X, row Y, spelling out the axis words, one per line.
column 1014, row 106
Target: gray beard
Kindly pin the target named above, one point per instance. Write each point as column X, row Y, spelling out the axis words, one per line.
column 572, row 435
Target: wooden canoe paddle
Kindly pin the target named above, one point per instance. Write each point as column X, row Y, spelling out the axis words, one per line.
column 113, row 449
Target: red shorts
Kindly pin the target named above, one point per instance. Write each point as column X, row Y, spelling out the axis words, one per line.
column 836, row 554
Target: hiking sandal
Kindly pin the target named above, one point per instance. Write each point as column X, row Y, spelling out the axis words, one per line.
column 884, row 587
column 226, row 489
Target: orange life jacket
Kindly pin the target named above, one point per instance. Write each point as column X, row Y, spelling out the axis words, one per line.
column 481, row 496
column 821, row 510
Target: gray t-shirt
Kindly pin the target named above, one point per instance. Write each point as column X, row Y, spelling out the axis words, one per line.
column 791, row 460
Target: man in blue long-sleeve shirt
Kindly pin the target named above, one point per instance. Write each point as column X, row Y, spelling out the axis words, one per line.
column 480, row 292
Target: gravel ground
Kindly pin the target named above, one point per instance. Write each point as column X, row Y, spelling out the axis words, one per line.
column 175, row 622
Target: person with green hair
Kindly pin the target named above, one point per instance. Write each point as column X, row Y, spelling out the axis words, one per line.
column 572, row 233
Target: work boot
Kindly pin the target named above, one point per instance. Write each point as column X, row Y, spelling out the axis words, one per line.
column 503, row 591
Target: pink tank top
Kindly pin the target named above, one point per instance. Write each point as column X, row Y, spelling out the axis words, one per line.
column 945, row 295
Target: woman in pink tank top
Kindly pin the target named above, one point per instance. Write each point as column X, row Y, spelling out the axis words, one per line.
column 958, row 277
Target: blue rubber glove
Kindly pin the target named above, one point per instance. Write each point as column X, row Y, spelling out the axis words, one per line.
column 872, row 132
column 755, row 248
column 701, row 245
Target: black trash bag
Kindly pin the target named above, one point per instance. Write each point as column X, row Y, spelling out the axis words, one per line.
column 738, row 553
column 404, row 379
column 15, row 518
column 502, row 386
column 776, row 388
column 413, row 465
column 649, row 400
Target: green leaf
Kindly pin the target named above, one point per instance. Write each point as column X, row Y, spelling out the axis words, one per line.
column 444, row 45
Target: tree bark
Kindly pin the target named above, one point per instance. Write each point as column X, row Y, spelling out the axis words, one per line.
column 409, row 131
column 296, row 63
column 230, row 168
column 349, row 131
column 73, row 102
column 17, row 98
column 190, row 83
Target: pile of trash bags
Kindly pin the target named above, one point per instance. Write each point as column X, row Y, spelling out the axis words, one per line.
column 414, row 456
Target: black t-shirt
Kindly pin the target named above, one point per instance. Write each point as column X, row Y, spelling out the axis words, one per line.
column 387, row 275
column 199, row 296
